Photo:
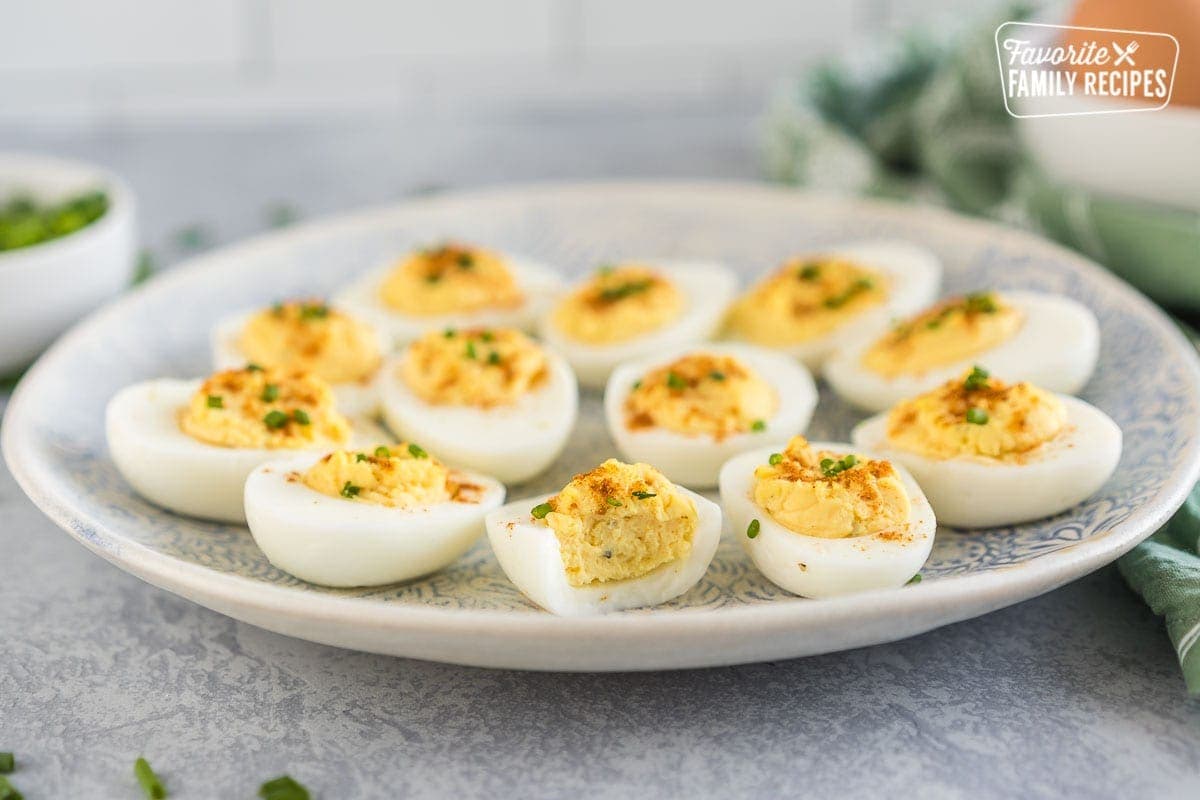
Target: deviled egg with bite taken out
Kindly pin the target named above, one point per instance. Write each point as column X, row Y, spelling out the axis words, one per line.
column 636, row 309
column 367, row 517
column 620, row 536
column 310, row 336
column 451, row 285
column 690, row 411
column 825, row 519
column 813, row 303
column 189, row 445
column 489, row 399
column 1046, row 339
column 990, row 453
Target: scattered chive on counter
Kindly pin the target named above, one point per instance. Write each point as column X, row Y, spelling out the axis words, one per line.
column 25, row 222
column 8, row 791
column 283, row 788
column 7, row 763
column 151, row 785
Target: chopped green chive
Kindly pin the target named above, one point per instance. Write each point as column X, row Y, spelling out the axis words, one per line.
column 644, row 495
column 358, row 457
column 350, row 491
column 487, row 336
column 977, row 416
column 614, row 502
column 675, row 381
column 275, row 419
column 541, row 510
column 7, row 763
column 150, row 783
column 283, row 788
column 858, row 287
column 637, row 385
column 809, row 272
column 982, row 303
column 433, row 277
column 752, row 529
column 215, row 401
column 314, row 311
column 466, row 260
column 977, row 379
column 775, row 459
column 934, row 323
column 493, row 358
column 915, row 578
column 614, row 293
column 252, row 367
column 830, row 468
column 448, row 333
column 382, row 452
column 301, row 416
column 759, row 425
column 415, row 451
column 717, row 375
column 270, row 393
column 470, row 351
column 8, row 791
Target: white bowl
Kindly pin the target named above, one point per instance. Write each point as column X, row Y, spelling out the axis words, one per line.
column 46, row 287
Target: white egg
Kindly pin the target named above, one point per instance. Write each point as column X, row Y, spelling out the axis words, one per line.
column 811, row 566
column 977, row 492
column 334, row 541
column 353, row 398
column 1056, row 348
column 695, row 461
column 914, row 275
column 513, row 442
column 538, row 284
column 173, row 470
column 707, row 289
column 529, row 555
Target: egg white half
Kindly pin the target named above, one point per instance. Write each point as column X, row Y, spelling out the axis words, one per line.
column 513, row 442
column 354, row 398
column 811, row 566
column 707, row 289
column 333, row 541
column 529, row 555
column 914, row 275
column 695, row 461
column 982, row 493
column 1056, row 348
column 171, row 469
column 537, row 282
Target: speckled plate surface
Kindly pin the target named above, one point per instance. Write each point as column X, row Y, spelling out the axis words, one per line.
column 1148, row 381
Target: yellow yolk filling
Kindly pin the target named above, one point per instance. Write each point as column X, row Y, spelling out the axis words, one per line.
column 311, row 337
column 264, row 408
column 989, row 419
column 450, row 279
column 481, row 367
column 819, row 494
column 400, row 476
column 619, row 304
column 805, row 299
column 701, row 394
column 620, row 521
column 951, row 331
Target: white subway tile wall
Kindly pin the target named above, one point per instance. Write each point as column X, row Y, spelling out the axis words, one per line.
column 113, row 62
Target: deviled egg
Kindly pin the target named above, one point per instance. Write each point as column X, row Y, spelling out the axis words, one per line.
column 690, row 411
column 813, row 303
column 489, row 399
column 368, row 517
column 621, row 536
column 310, row 336
column 989, row 453
column 821, row 519
column 451, row 285
column 636, row 309
column 189, row 445
column 1046, row 339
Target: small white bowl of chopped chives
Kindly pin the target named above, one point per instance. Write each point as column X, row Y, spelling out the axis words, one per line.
column 67, row 244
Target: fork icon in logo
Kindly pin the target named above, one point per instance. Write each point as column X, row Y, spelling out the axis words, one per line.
column 1126, row 54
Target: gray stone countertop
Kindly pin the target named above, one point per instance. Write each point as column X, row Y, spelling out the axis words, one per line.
column 1072, row 694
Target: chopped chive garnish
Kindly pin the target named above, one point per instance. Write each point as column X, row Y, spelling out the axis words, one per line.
column 775, row 459
column 275, row 419
column 675, row 381
column 433, row 277
column 830, row 468
column 283, row 788
column 717, row 375
column 809, row 272
column 301, row 416
column 858, row 287
column 470, row 351
column 466, row 260
column 915, row 578
column 541, row 510
column 752, row 529
column 614, row 293
column 252, row 367
column 637, row 385
column 448, row 333
column 759, row 425
column 415, row 451
column 982, row 303
column 493, row 358
column 977, row 379
column 349, row 490
column 150, row 783
column 270, row 393
column 614, row 502
column 215, row 401
column 314, row 311
column 644, row 495
column 487, row 336
column 977, row 416
column 382, row 452
column 7, row 763
column 358, row 457
column 8, row 791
